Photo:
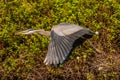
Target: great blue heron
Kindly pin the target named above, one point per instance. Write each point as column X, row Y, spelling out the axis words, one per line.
column 64, row 38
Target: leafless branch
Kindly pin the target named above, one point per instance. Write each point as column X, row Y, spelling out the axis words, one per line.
column 97, row 50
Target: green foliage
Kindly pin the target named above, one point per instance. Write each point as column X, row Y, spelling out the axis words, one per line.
column 20, row 54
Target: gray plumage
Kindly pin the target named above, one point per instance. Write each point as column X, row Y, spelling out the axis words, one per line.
column 64, row 38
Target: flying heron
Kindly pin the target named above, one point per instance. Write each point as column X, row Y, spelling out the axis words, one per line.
column 65, row 37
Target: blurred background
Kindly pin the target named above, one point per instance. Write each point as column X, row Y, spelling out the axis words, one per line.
column 21, row 57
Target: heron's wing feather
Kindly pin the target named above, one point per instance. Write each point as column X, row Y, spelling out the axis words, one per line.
column 76, row 35
column 58, row 50
column 66, row 29
column 71, row 30
column 61, row 45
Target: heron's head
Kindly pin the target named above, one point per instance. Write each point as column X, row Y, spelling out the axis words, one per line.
column 26, row 32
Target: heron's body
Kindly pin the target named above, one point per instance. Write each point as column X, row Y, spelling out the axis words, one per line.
column 64, row 38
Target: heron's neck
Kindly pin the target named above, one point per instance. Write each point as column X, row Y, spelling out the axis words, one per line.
column 43, row 32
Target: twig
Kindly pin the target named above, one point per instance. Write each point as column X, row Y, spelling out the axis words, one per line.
column 97, row 50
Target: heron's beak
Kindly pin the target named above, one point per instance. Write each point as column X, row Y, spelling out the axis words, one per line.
column 26, row 32
column 18, row 33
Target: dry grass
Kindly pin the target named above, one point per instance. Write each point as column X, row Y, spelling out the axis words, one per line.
column 98, row 67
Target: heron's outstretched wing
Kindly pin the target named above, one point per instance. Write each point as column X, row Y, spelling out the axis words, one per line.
column 62, row 43
column 58, row 50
